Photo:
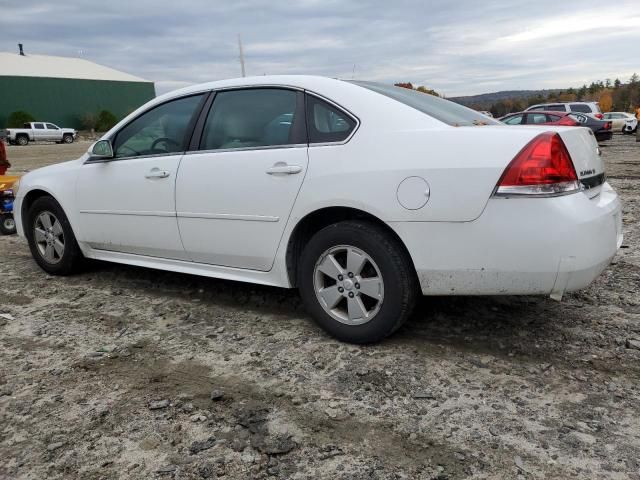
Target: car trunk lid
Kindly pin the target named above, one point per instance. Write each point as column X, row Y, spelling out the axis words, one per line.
column 586, row 156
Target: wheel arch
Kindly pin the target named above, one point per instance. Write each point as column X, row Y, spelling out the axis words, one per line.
column 318, row 219
column 28, row 200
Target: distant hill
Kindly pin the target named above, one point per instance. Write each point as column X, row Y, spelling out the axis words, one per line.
column 486, row 100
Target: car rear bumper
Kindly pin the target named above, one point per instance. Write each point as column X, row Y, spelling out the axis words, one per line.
column 518, row 246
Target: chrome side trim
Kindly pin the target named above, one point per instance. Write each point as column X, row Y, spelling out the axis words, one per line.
column 229, row 216
column 537, row 191
column 246, row 149
column 117, row 159
column 141, row 213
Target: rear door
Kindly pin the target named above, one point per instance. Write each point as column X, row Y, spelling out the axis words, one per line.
column 234, row 195
column 39, row 132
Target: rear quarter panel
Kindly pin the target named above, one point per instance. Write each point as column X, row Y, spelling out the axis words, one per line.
column 460, row 164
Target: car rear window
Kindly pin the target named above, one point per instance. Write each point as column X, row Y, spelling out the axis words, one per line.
column 580, row 107
column 447, row 112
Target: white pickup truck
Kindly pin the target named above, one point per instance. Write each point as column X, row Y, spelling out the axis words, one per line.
column 40, row 132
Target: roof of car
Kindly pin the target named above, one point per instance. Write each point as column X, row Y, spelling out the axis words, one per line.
column 559, row 103
column 550, row 112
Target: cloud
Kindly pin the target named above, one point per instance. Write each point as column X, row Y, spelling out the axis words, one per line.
column 461, row 47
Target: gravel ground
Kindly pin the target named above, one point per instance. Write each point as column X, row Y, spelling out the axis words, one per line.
column 123, row 372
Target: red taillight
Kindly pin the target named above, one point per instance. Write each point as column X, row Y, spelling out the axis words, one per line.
column 599, row 116
column 607, row 126
column 543, row 167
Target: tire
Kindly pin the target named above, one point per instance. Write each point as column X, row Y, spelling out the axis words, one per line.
column 67, row 138
column 22, row 140
column 44, row 249
column 387, row 271
column 7, row 225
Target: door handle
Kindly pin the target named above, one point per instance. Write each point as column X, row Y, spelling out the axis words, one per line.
column 283, row 168
column 157, row 173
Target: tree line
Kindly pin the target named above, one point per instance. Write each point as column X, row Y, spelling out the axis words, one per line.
column 612, row 96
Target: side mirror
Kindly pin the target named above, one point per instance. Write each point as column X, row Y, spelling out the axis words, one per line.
column 101, row 150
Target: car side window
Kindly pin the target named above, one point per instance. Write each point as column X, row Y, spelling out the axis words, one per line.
column 536, row 118
column 38, row 126
column 326, row 123
column 552, row 118
column 536, row 108
column 51, row 126
column 515, row 120
column 557, row 108
column 161, row 130
column 253, row 118
column 580, row 107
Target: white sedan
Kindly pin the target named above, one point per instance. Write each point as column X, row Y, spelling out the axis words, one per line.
column 622, row 121
column 361, row 195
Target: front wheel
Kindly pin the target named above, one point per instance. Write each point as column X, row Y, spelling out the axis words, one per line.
column 7, row 224
column 357, row 281
column 51, row 239
column 67, row 139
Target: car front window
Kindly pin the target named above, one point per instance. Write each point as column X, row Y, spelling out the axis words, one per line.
column 160, row 130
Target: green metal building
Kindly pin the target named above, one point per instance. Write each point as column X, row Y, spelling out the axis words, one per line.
column 62, row 90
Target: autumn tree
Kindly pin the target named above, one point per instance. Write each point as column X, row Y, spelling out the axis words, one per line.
column 605, row 100
column 421, row 88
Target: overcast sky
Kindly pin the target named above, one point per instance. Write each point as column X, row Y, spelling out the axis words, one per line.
column 456, row 47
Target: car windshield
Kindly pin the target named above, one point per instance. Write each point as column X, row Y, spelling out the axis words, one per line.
column 447, row 112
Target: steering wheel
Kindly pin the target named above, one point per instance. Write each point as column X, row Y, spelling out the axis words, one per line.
column 165, row 140
column 135, row 152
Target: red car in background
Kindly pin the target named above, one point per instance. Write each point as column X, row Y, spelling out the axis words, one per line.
column 4, row 163
column 601, row 128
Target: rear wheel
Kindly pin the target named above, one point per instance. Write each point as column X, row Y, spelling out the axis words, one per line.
column 357, row 282
column 51, row 239
column 67, row 138
column 22, row 140
column 7, row 225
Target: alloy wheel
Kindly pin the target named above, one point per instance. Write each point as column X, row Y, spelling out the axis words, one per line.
column 49, row 237
column 348, row 285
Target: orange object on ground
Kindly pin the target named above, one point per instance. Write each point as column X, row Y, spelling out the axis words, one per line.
column 7, row 181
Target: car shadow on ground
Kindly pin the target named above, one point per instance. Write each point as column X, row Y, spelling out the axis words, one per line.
column 500, row 326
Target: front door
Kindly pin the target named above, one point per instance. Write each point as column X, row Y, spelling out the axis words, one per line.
column 234, row 195
column 53, row 132
column 127, row 204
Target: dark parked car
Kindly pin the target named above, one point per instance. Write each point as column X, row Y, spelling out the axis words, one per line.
column 601, row 128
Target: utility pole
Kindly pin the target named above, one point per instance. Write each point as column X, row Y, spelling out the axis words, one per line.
column 241, row 56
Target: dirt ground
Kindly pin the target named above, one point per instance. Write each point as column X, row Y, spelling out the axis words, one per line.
column 123, row 373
